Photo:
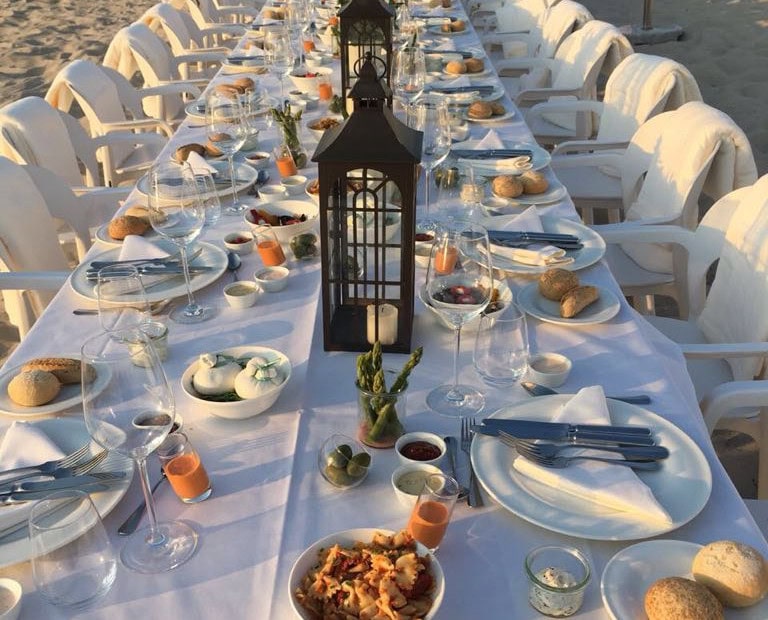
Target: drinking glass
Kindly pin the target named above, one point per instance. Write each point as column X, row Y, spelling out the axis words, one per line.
column 132, row 415
column 227, row 130
column 409, row 74
column 209, row 197
column 501, row 347
column 176, row 213
column 432, row 512
column 280, row 55
column 184, row 469
column 73, row 563
column 121, row 299
column 429, row 115
column 459, row 285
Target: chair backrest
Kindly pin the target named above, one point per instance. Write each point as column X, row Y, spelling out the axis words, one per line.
column 640, row 87
column 559, row 21
column 32, row 132
column 520, row 16
column 163, row 18
column 736, row 309
column 199, row 17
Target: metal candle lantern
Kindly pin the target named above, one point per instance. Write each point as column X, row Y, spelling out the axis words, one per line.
column 365, row 27
column 368, row 169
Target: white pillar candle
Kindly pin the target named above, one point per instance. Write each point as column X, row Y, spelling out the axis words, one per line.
column 387, row 314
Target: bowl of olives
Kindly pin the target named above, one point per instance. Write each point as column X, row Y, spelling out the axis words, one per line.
column 343, row 461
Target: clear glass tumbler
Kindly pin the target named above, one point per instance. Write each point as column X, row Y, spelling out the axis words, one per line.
column 432, row 512
column 184, row 469
column 501, row 346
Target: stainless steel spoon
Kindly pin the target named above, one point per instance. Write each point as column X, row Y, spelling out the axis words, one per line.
column 132, row 522
column 233, row 263
column 534, row 389
column 450, row 443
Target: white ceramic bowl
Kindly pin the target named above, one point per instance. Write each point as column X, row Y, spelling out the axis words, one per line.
column 259, row 159
column 407, row 495
column 430, row 438
column 309, row 84
column 318, row 131
column 294, row 185
column 308, row 560
column 272, row 279
column 549, row 369
column 232, row 243
column 293, row 208
column 240, row 409
column 16, row 592
column 242, row 294
column 270, row 193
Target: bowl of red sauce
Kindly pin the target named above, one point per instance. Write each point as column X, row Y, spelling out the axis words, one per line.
column 420, row 447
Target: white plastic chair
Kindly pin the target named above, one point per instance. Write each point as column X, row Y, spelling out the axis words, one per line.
column 137, row 49
column 510, row 17
column 725, row 339
column 640, row 87
column 216, row 32
column 217, row 12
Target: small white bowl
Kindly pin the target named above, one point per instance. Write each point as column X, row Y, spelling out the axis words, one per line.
column 233, row 242
column 318, row 132
column 270, row 193
column 549, row 369
column 294, row 184
column 407, row 491
column 258, row 159
column 297, row 106
column 272, row 279
column 292, row 208
column 419, row 436
column 309, row 84
column 16, row 592
column 242, row 294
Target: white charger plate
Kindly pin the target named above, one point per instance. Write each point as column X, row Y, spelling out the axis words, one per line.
column 69, row 396
column 69, row 434
column 630, row 573
column 246, row 174
column 682, row 485
column 211, row 256
column 540, row 157
column 604, row 309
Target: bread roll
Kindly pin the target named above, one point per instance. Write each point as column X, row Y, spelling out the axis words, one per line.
column 675, row 598
column 123, row 225
column 575, row 300
column 456, row 67
column 243, row 84
column 480, row 109
column 184, row 150
column 497, row 109
column 507, row 186
column 65, row 369
column 458, row 26
column 554, row 283
column 211, row 150
column 226, row 90
column 474, row 65
column 138, row 211
column 736, row 573
column 33, row 388
column 534, row 182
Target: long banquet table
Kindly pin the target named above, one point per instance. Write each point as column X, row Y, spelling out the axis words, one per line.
column 269, row 501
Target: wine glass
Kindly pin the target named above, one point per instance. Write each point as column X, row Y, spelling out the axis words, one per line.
column 177, row 213
column 132, row 415
column 121, row 298
column 227, row 130
column 429, row 115
column 459, row 286
column 409, row 74
column 280, row 55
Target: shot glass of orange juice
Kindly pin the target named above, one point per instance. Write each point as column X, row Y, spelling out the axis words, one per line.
column 324, row 88
column 268, row 247
column 286, row 166
column 433, row 509
column 184, row 469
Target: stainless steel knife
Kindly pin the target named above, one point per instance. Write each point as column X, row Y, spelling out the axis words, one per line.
column 71, row 482
column 554, row 431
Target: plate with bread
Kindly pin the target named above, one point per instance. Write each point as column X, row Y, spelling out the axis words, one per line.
column 584, row 304
column 132, row 221
column 665, row 579
column 46, row 385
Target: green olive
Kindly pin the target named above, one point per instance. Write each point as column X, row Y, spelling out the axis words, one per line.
column 358, row 465
column 337, row 459
column 338, row 476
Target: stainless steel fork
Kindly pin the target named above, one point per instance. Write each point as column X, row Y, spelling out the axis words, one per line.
column 475, row 499
column 47, row 468
column 56, row 470
column 560, row 462
column 551, row 450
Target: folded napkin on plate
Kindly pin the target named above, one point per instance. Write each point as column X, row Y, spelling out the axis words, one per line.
column 536, row 254
column 199, row 165
column 489, row 141
column 447, row 46
column 618, row 488
column 459, row 82
column 136, row 247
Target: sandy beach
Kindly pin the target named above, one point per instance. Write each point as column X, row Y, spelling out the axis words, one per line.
column 725, row 46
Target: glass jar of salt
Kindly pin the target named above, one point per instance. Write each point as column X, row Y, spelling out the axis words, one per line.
column 557, row 577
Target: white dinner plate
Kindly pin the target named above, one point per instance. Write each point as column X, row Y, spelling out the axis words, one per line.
column 69, row 396
column 438, row 31
column 102, row 234
column 211, row 256
column 494, row 119
column 593, row 250
column 682, row 485
column 447, row 75
column 256, row 66
column 631, row 572
column 535, row 304
column 308, row 560
column 554, row 193
column 196, row 110
column 69, row 434
column 540, row 157
column 245, row 173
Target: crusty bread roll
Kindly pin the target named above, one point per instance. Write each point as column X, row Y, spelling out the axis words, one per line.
column 226, row 90
column 676, row 598
column 138, row 211
column 736, row 573
column 211, row 150
column 65, row 369
column 554, row 283
column 33, row 388
column 575, row 300
column 507, row 186
column 534, row 182
column 456, row 67
column 243, row 84
column 474, row 65
column 458, row 25
column 498, row 109
column 184, row 150
column 480, row 109
column 123, row 225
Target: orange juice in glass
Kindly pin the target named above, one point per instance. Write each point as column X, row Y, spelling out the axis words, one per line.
column 324, row 88
column 286, row 167
column 445, row 258
column 184, row 469
column 432, row 512
column 268, row 247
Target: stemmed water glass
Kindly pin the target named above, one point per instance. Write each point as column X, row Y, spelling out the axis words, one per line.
column 132, row 415
column 409, row 74
column 227, row 130
column 177, row 213
column 429, row 114
column 459, row 286
column 280, row 55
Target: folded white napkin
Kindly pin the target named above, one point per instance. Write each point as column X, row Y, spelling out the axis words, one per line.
column 537, row 254
column 447, row 46
column 457, row 82
column 199, row 165
column 135, row 246
column 491, row 140
column 608, row 485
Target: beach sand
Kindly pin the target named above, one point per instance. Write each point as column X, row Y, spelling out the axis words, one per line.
column 725, row 46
